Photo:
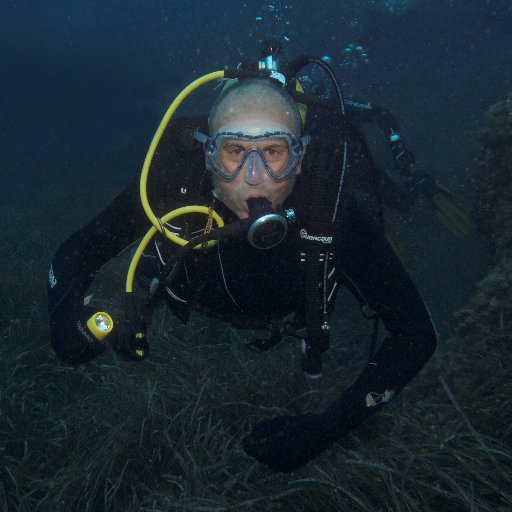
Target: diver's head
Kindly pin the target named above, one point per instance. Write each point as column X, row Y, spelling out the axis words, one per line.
column 254, row 97
column 255, row 147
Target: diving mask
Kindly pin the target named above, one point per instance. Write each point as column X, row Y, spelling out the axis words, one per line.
column 277, row 152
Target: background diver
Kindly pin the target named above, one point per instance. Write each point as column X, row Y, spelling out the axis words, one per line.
column 288, row 188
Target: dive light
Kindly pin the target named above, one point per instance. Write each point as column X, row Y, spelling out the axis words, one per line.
column 100, row 325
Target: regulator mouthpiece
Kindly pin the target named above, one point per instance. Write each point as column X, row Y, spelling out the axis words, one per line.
column 267, row 228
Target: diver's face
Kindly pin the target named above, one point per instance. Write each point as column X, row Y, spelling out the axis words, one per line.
column 249, row 161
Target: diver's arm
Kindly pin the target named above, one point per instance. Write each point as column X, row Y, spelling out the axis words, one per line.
column 365, row 112
column 75, row 264
column 372, row 265
column 288, row 442
column 362, row 112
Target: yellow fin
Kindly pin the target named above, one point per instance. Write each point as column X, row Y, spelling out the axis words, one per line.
column 396, row 243
column 453, row 212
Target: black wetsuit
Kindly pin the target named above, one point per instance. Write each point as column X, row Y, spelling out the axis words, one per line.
column 247, row 286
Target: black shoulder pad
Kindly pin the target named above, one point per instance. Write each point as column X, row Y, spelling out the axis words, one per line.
column 177, row 175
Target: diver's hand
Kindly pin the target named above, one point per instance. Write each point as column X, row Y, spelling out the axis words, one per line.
column 285, row 443
column 404, row 160
column 130, row 341
column 70, row 337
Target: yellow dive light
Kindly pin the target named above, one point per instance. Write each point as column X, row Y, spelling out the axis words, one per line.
column 100, row 324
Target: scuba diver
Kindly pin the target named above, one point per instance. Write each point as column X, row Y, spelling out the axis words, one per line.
column 287, row 213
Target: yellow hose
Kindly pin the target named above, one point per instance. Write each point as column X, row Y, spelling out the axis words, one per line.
column 149, row 235
column 158, row 223
column 156, row 139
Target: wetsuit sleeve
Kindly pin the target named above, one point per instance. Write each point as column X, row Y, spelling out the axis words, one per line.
column 79, row 257
column 77, row 261
column 399, row 196
column 372, row 267
column 285, row 443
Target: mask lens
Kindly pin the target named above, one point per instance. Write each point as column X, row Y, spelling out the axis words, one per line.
column 232, row 152
column 277, row 154
column 280, row 153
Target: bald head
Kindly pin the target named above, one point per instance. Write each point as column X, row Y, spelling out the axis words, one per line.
column 255, row 99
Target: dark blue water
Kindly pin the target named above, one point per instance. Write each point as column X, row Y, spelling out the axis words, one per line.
column 84, row 85
column 104, row 61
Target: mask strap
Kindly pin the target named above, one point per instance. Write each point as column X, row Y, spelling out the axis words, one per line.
column 201, row 137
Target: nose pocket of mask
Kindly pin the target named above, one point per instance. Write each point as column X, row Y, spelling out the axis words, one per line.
column 254, row 167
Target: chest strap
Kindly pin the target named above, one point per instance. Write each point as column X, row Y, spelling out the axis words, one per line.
column 316, row 240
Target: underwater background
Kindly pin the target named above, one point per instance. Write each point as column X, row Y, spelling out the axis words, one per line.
column 83, row 87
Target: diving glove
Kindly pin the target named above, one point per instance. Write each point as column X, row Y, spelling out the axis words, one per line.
column 129, row 341
column 286, row 443
column 71, row 338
